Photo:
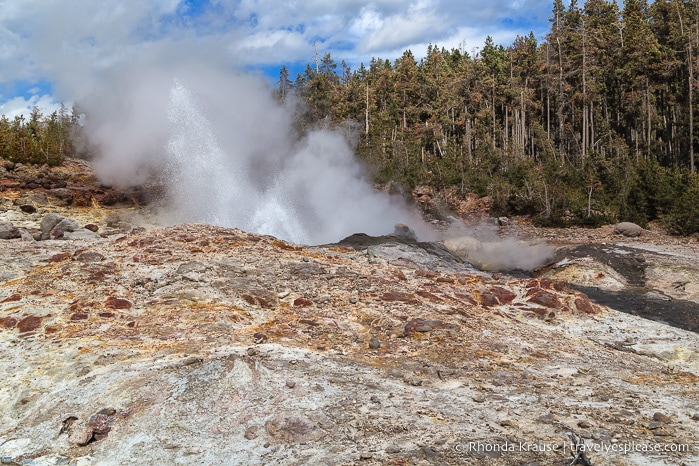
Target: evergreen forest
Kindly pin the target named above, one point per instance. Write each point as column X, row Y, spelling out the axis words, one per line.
column 595, row 124
column 43, row 139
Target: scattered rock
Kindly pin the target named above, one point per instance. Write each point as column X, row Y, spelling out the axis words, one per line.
column 664, row 418
column 413, row 380
column 543, row 298
column 48, row 222
column 8, row 322
column 117, row 303
column 293, row 429
column 12, row 298
column 25, row 235
column 628, row 229
column 374, row 343
column 96, row 428
column 664, row 431
column 421, row 325
column 251, row 433
column 259, row 338
column 79, row 234
column 29, row 324
column 392, row 296
column 88, row 256
column 8, row 230
column 302, row 302
column 404, row 230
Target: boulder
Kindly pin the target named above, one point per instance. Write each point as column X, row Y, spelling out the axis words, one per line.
column 8, row 230
column 628, row 229
column 49, row 221
column 55, row 226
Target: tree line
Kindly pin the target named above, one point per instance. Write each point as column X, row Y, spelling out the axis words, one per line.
column 42, row 139
column 596, row 123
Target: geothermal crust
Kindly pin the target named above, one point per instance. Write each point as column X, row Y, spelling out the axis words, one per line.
column 196, row 344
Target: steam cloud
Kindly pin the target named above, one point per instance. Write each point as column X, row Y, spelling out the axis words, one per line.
column 227, row 153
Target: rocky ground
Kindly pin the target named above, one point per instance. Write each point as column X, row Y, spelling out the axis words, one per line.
column 126, row 343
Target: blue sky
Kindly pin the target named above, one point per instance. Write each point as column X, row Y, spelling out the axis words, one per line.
column 56, row 50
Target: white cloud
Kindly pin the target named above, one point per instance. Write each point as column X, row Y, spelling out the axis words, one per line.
column 75, row 44
column 23, row 106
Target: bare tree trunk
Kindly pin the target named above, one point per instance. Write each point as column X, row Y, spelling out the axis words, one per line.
column 560, row 99
column 366, row 113
column 584, row 92
column 548, row 96
column 690, row 59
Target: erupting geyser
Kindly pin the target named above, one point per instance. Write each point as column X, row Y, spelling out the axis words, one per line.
column 229, row 157
column 310, row 191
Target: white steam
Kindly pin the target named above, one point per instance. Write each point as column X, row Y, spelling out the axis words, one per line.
column 483, row 247
column 227, row 154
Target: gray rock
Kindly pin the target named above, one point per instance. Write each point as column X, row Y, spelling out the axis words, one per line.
column 402, row 229
column 663, row 418
column 25, row 235
column 8, row 230
column 33, row 199
column 251, row 433
column 67, row 224
column 48, row 222
column 80, row 233
column 628, row 229
column 56, row 226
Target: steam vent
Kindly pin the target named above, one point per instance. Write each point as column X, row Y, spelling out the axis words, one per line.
column 125, row 342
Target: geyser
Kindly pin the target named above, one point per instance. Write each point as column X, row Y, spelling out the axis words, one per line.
column 228, row 156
